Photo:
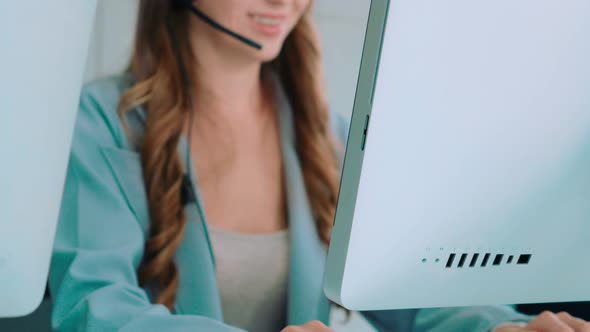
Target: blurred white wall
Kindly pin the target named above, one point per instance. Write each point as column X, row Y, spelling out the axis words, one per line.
column 112, row 37
column 342, row 27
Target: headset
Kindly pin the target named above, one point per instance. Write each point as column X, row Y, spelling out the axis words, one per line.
column 188, row 194
column 188, row 4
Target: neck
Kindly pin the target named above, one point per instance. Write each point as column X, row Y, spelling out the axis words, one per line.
column 228, row 91
column 226, row 82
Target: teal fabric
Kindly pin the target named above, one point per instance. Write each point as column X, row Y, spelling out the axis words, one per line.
column 103, row 226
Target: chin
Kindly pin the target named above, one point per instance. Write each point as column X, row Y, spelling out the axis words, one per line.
column 268, row 54
column 270, row 50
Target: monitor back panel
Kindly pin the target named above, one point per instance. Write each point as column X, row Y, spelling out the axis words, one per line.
column 467, row 172
column 44, row 48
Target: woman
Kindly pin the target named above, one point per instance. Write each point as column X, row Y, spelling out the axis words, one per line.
column 135, row 251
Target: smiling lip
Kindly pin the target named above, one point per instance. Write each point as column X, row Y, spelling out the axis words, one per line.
column 268, row 24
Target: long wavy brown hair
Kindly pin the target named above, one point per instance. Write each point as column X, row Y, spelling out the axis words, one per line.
column 159, row 86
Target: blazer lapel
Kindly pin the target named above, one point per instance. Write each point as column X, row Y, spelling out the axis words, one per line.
column 307, row 253
column 198, row 292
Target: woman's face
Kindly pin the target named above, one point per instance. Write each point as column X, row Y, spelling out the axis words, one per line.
column 267, row 22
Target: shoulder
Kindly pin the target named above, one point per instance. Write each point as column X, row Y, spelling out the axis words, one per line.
column 107, row 90
column 98, row 117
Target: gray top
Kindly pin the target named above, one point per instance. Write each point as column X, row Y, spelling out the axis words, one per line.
column 252, row 276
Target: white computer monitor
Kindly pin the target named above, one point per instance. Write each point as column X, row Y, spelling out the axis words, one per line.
column 43, row 51
column 466, row 179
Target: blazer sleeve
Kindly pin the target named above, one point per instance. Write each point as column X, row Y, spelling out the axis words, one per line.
column 484, row 318
column 99, row 241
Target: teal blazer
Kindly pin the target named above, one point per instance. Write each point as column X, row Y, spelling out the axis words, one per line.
column 104, row 223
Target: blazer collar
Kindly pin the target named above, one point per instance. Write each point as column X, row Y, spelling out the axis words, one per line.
column 308, row 253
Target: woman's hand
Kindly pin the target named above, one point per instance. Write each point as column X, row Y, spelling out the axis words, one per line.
column 315, row 326
column 548, row 322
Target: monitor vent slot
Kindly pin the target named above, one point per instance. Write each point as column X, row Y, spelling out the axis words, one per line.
column 524, row 259
column 462, row 260
column 498, row 259
column 450, row 260
column 473, row 260
column 486, row 258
